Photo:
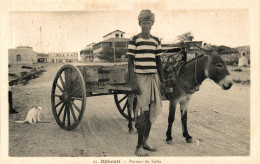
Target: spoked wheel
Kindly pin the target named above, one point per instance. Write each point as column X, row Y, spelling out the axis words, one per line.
column 121, row 101
column 68, row 97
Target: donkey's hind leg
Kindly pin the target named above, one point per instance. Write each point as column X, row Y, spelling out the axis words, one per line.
column 172, row 108
column 130, row 110
column 184, row 108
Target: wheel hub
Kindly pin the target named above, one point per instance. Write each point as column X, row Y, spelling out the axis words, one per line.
column 64, row 97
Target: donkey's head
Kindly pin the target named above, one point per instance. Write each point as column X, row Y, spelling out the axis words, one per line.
column 216, row 70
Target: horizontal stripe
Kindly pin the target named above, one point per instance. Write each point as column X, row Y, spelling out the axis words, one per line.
column 145, row 63
column 145, row 67
column 146, row 40
column 145, row 47
column 131, row 51
column 146, row 55
column 145, row 51
column 130, row 46
column 145, row 71
column 145, row 59
column 146, row 43
column 158, row 51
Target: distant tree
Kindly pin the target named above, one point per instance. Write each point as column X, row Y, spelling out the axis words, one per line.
column 188, row 36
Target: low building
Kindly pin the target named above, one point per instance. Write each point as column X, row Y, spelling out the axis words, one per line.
column 114, row 46
column 86, row 54
column 22, row 55
column 42, row 57
column 60, row 57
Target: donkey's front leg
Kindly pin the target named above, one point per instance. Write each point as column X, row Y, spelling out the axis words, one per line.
column 172, row 108
column 184, row 108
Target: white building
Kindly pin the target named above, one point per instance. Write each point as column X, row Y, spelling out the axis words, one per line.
column 59, row 57
column 114, row 34
column 22, row 55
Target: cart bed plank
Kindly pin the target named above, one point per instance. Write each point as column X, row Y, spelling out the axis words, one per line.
column 119, row 87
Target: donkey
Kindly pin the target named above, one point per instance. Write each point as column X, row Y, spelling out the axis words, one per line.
column 190, row 77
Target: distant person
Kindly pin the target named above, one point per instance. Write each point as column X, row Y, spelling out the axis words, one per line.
column 243, row 61
column 10, row 100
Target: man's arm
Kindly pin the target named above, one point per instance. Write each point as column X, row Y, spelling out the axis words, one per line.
column 131, row 69
column 132, row 78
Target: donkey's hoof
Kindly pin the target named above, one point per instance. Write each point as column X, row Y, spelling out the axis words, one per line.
column 189, row 140
column 169, row 141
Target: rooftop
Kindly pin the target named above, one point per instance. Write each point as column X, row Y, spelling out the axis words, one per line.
column 113, row 32
column 116, row 40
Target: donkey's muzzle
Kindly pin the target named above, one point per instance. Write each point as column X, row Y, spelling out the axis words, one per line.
column 226, row 83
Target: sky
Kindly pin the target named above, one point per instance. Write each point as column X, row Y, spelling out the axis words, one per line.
column 71, row 31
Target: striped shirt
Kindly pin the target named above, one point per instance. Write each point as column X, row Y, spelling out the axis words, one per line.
column 144, row 52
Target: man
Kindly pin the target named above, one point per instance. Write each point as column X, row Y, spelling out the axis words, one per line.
column 144, row 51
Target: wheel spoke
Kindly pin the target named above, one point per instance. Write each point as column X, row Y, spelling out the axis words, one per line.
column 68, row 79
column 68, row 110
column 122, row 99
column 75, row 81
column 61, row 110
column 77, row 108
column 76, row 98
column 58, row 104
column 75, row 91
column 64, row 116
column 125, row 106
column 62, row 82
column 72, row 111
column 60, row 88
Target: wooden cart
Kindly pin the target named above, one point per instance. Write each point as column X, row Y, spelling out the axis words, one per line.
column 74, row 83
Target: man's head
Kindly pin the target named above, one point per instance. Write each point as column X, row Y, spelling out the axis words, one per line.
column 146, row 20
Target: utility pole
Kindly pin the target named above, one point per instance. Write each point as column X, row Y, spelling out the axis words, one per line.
column 41, row 38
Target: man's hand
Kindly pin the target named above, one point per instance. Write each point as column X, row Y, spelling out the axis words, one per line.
column 163, row 87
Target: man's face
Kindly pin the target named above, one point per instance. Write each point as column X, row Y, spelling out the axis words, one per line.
column 146, row 26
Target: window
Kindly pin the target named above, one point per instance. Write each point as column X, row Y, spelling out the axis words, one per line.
column 18, row 57
column 117, row 35
column 121, row 35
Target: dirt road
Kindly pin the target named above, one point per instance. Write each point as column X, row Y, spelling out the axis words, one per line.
column 219, row 119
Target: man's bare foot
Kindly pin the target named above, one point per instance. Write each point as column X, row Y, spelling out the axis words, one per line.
column 148, row 147
column 140, row 152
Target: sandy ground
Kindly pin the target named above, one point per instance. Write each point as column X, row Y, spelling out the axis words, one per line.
column 219, row 119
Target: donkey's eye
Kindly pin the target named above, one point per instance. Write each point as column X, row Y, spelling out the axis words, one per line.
column 219, row 65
